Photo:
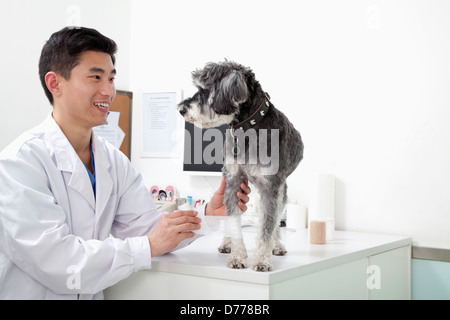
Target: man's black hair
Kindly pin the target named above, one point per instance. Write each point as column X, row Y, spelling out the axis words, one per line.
column 61, row 53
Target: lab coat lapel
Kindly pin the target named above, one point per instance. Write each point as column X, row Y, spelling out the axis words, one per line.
column 103, row 179
column 67, row 160
column 81, row 183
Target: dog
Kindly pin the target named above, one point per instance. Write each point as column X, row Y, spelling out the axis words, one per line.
column 228, row 93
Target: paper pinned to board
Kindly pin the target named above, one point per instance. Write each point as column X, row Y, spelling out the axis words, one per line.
column 110, row 131
column 161, row 125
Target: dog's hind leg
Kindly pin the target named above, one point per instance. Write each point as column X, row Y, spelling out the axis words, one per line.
column 272, row 199
column 279, row 249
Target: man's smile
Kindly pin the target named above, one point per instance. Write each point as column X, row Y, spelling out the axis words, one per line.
column 103, row 106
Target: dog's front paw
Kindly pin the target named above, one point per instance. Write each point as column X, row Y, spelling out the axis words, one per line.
column 263, row 267
column 225, row 248
column 237, row 263
column 279, row 250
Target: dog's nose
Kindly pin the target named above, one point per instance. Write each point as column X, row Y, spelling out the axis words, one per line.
column 183, row 111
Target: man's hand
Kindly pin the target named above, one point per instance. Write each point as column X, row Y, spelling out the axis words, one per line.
column 171, row 229
column 216, row 207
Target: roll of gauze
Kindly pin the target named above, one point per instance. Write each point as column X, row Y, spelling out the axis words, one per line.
column 322, row 200
column 185, row 207
column 233, row 227
column 211, row 224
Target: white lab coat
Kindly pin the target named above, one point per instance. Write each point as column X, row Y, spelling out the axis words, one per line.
column 55, row 238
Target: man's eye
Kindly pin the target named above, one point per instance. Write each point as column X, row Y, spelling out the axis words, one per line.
column 112, row 79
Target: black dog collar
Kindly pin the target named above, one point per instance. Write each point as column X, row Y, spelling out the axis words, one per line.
column 257, row 116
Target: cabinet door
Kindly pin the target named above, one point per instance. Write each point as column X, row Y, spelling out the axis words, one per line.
column 345, row 281
column 389, row 274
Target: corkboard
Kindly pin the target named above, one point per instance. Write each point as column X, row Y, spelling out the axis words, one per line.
column 123, row 103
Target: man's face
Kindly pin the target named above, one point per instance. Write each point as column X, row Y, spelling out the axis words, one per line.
column 90, row 90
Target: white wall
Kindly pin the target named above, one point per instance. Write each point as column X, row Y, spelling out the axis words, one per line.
column 365, row 82
column 25, row 25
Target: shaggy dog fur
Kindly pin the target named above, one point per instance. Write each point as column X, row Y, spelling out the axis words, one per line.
column 228, row 93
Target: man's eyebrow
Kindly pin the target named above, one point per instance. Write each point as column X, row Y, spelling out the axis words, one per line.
column 100, row 70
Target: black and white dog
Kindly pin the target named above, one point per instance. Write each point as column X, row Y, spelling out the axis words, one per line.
column 228, row 93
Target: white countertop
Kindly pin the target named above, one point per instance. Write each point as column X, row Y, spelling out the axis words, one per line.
column 202, row 258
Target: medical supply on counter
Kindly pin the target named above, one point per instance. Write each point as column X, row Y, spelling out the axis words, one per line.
column 296, row 216
column 163, row 194
column 329, row 226
column 317, row 232
column 154, row 191
column 322, row 200
column 170, row 191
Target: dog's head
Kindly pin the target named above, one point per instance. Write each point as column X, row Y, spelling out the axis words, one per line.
column 222, row 89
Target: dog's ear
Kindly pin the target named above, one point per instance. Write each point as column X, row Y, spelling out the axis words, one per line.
column 231, row 92
column 197, row 79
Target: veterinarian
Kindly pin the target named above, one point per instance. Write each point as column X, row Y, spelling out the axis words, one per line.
column 63, row 190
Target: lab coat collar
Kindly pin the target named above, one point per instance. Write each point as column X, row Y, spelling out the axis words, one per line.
column 66, row 157
column 68, row 160
column 103, row 179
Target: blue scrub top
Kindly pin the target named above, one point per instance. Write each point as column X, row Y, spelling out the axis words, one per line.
column 92, row 175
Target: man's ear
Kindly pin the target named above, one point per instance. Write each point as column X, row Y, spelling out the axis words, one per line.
column 52, row 80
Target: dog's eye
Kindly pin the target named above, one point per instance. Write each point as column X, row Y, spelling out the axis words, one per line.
column 202, row 96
